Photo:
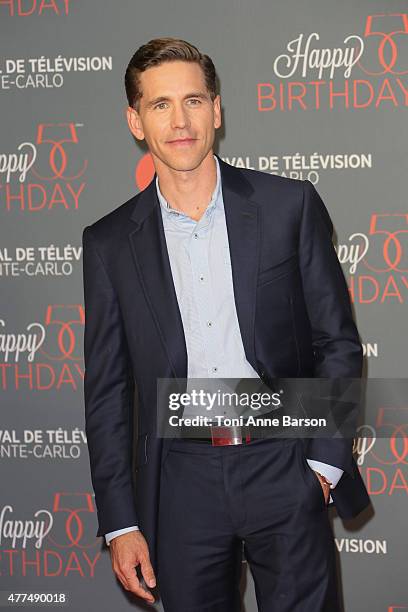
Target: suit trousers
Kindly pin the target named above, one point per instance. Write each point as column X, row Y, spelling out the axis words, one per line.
column 260, row 501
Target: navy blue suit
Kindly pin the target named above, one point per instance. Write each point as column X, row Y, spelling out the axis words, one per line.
column 294, row 314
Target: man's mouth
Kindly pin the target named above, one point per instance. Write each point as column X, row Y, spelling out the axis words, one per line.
column 181, row 141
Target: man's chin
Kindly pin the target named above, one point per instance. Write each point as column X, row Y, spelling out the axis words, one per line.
column 183, row 164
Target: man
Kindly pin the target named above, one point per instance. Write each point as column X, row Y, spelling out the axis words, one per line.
column 212, row 271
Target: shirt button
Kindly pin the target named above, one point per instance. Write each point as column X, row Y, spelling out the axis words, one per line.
column 215, row 369
column 201, row 278
column 195, row 235
column 209, row 323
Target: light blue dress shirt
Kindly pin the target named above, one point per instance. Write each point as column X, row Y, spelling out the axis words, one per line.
column 201, row 268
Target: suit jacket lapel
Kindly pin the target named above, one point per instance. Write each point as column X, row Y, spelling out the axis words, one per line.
column 243, row 226
column 151, row 259
column 148, row 244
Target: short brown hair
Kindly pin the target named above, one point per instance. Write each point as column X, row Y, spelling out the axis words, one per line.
column 158, row 51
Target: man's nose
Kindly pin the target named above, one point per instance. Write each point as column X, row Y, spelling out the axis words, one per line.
column 179, row 117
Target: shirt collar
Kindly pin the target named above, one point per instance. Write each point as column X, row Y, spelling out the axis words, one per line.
column 168, row 210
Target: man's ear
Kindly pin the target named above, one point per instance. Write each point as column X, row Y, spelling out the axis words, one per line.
column 134, row 123
column 217, row 111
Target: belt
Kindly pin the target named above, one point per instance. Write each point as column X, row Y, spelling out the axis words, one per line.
column 221, row 436
column 228, row 438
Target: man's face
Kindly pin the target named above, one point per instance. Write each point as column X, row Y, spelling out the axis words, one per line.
column 176, row 115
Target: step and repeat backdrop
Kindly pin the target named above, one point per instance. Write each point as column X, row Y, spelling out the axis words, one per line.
column 315, row 90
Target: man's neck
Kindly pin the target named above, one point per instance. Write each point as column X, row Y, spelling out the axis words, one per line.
column 190, row 191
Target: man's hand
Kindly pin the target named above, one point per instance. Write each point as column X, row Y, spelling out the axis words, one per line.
column 325, row 487
column 127, row 551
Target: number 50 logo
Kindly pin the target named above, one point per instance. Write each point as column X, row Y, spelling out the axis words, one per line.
column 64, row 323
column 60, row 138
column 391, row 243
column 73, row 515
column 387, row 44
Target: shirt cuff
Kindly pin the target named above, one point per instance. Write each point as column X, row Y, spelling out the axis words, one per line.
column 113, row 534
column 331, row 472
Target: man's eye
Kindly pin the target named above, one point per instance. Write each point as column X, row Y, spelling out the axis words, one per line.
column 195, row 101
column 160, row 105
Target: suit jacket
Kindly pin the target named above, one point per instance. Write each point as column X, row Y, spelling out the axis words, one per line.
column 294, row 314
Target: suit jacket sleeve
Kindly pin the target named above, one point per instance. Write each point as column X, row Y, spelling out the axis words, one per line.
column 108, row 394
column 336, row 345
